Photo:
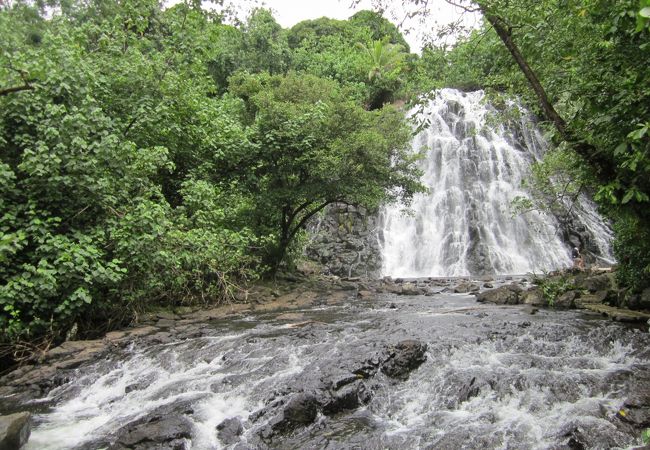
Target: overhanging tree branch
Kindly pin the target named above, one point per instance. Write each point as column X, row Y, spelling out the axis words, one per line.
column 604, row 168
column 24, row 87
column 11, row 90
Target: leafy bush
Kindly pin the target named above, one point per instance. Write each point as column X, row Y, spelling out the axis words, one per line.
column 632, row 249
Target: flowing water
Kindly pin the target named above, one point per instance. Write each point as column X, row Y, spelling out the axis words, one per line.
column 495, row 377
column 465, row 224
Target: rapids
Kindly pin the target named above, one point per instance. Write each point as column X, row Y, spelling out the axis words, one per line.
column 495, row 377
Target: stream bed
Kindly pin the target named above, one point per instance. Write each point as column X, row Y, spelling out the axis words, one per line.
column 494, row 377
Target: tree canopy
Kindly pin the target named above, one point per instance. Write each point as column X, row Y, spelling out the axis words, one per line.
column 162, row 156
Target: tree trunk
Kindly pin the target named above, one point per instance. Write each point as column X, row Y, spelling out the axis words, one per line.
column 604, row 167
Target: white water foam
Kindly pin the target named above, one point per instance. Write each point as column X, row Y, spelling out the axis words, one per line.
column 164, row 375
column 464, row 225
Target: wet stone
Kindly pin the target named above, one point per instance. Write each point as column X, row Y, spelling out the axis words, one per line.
column 300, row 410
column 566, row 300
column 229, row 430
column 349, row 397
column 15, row 430
column 403, row 358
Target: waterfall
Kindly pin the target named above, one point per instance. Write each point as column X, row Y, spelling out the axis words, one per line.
column 465, row 225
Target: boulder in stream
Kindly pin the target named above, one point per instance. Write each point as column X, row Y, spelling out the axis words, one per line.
column 403, row 357
column 229, row 430
column 504, row 295
column 300, row 410
column 533, row 297
column 167, row 427
column 15, row 430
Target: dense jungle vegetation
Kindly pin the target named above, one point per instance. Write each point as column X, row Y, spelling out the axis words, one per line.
column 164, row 156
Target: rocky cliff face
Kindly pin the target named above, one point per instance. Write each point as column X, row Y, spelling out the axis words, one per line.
column 344, row 241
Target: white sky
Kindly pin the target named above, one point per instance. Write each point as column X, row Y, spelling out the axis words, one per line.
column 290, row 12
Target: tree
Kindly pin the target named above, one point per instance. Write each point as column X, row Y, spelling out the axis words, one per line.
column 313, row 146
column 102, row 203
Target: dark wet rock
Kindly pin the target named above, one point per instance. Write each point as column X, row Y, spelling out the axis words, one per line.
column 155, row 432
column 636, row 301
column 577, row 437
column 636, row 409
column 470, row 389
column 349, row 397
column 403, row 358
column 645, row 299
column 141, row 384
column 229, row 430
column 504, row 295
column 392, row 306
column 166, row 427
column 575, row 440
column 300, row 410
column 15, row 430
column 339, row 380
column 566, row 300
column 162, row 337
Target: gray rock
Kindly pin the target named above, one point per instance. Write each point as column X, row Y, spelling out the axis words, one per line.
column 466, row 287
column 566, row 300
column 166, row 323
column 166, row 427
column 300, row 410
column 597, row 283
column 410, row 289
column 533, row 297
column 15, row 430
column 469, row 390
column 350, row 396
column 364, row 294
column 229, row 430
column 500, row 296
column 403, row 358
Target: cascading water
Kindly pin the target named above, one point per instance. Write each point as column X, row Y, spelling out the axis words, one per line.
column 464, row 225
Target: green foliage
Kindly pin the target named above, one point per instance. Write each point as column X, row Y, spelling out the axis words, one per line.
column 100, row 169
column 366, row 53
column 554, row 287
column 555, row 183
column 311, row 146
column 155, row 156
column 632, row 249
column 645, row 436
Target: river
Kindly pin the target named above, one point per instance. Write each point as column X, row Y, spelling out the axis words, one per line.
column 495, row 377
